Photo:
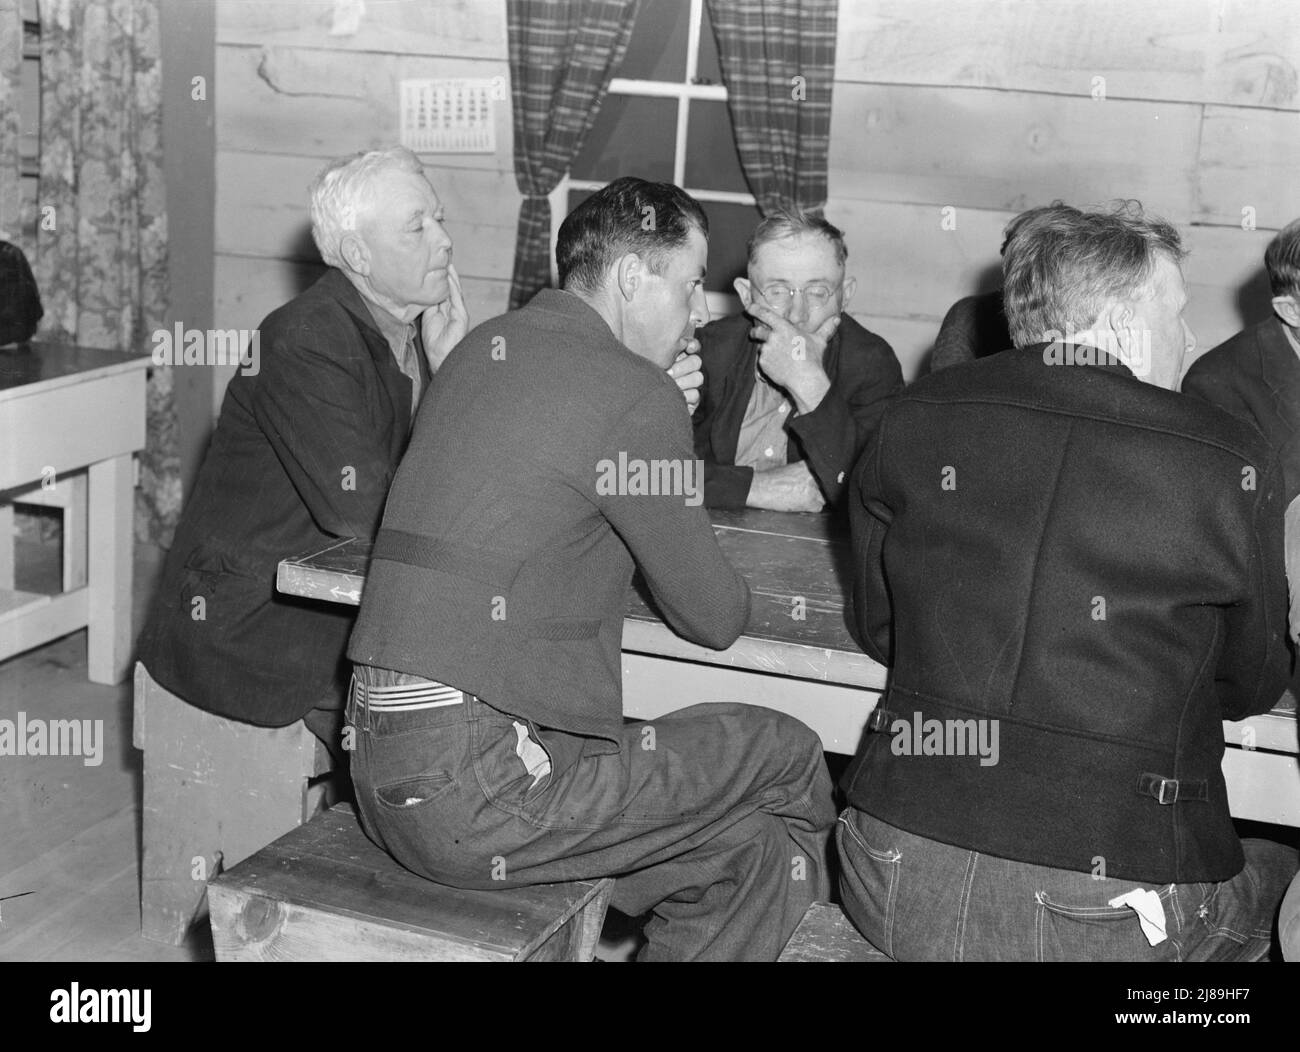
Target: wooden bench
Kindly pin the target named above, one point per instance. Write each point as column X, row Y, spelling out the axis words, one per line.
column 825, row 934
column 324, row 892
column 215, row 791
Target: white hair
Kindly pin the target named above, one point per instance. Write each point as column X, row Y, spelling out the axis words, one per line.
column 344, row 188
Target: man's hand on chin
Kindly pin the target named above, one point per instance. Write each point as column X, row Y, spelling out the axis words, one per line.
column 792, row 357
column 788, row 488
column 686, row 370
column 445, row 325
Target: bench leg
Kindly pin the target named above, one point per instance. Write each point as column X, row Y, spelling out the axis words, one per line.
column 215, row 792
column 109, row 559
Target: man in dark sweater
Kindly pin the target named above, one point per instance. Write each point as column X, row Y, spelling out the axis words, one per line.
column 553, row 456
column 793, row 387
column 1075, row 575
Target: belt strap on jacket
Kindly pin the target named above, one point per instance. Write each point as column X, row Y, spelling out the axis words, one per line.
column 1163, row 790
column 460, row 560
column 1173, row 790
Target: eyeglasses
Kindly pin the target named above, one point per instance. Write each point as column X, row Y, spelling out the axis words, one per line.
column 814, row 295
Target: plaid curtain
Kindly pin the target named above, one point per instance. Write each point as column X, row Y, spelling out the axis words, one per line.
column 562, row 56
column 778, row 63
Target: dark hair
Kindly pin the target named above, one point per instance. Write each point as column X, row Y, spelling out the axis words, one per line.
column 628, row 215
column 1282, row 260
column 788, row 222
column 1061, row 269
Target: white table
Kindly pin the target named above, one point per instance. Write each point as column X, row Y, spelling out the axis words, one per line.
column 69, row 414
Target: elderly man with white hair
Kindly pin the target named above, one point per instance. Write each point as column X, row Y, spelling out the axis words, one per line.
column 305, row 449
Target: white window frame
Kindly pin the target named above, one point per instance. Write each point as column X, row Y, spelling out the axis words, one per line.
column 684, row 92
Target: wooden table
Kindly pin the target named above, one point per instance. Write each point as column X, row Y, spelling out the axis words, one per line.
column 73, row 413
column 797, row 655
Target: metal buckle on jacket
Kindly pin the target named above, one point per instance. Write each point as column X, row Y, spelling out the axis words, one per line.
column 879, row 719
column 1172, row 790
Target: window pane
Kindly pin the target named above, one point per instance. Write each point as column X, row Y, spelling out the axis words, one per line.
column 708, row 70
column 712, row 162
column 657, row 49
column 729, row 230
column 631, row 137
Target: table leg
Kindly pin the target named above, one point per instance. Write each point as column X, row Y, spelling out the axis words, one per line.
column 7, row 542
column 109, row 544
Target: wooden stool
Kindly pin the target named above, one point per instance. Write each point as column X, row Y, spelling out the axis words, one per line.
column 825, row 934
column 326, row 893
column 215, row 791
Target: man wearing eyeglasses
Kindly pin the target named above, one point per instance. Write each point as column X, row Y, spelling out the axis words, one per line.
column 793, row 387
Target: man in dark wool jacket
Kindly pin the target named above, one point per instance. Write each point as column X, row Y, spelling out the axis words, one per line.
column 794, row 386
column 1075, row 575
column 304, row 451
column 490, row 748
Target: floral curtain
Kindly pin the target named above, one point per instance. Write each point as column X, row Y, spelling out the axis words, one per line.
column 562, row 56
column 778, row 63
column 11, row 71
column 101, row 240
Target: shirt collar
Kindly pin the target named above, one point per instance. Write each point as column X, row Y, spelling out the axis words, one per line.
column 1291, row 338
column 395, row 332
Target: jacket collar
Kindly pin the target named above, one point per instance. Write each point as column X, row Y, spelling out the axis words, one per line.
column 336, row 285
column 1280, row 368
column 1080, row 354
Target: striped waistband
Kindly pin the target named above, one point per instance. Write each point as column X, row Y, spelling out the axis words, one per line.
column 406, row 697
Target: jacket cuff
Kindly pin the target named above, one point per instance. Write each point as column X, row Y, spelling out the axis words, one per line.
column 726, row 485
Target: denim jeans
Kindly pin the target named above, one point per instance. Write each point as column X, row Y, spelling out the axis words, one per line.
column 1288, row 923
column 714, row 818
column 922, row 900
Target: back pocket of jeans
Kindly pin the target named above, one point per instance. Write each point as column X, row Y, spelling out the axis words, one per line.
column 410, row 793
column 1097, row 933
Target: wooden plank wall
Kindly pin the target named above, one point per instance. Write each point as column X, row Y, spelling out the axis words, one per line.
column 987, row 107
column 291, row 95
column 983, row 106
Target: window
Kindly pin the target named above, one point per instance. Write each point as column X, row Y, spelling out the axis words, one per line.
column 665, row 118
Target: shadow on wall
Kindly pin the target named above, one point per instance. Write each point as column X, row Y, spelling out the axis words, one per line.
column 303, row 250
column 1254, row 299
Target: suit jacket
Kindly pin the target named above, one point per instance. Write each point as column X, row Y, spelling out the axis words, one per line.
column 1256, row 375
column 864, row 375
column 303, row 453
column 510, row 535
column 1096, row 565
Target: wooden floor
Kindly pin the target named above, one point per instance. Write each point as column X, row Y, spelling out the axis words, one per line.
column 70, row 833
